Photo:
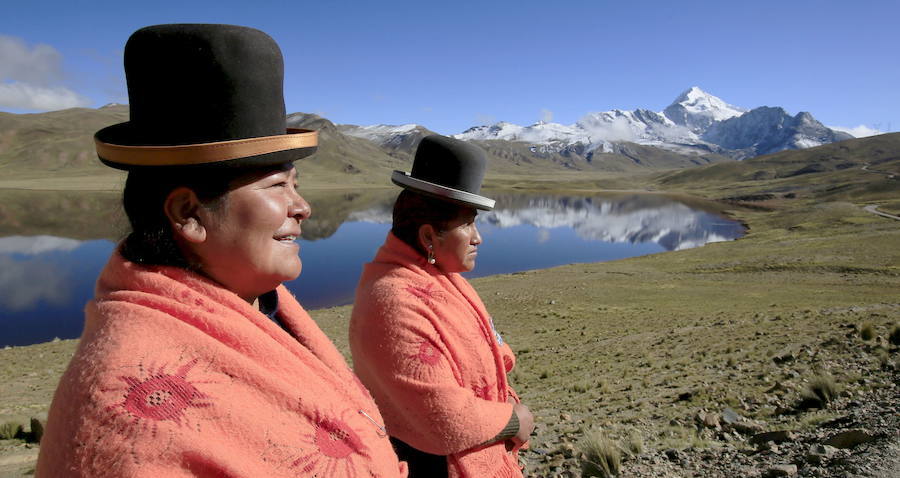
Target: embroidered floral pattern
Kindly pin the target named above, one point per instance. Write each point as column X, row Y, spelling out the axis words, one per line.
column 482, row 391
column 330, row 449
column 157, row 396
column 335, row 439
column 428, row 353
column 427, row 293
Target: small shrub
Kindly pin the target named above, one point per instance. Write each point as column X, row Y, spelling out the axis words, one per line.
column 633, row 443
column 602, row 386
column 894, row 338
column 579, row 387
column 543, row 375
column 867, row 331
column 37, row 431
column 884, row 358
column 10, row 430
column 600, row 456
column 821, row 390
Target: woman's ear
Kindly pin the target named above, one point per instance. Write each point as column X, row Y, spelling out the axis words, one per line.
column 182, row 207
column 427, row 236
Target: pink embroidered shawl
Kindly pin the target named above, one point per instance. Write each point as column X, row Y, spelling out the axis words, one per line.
column 424, row 344
column 176, row 376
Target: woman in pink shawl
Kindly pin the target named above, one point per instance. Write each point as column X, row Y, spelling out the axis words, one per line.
column 421, row 338
column 195, row 360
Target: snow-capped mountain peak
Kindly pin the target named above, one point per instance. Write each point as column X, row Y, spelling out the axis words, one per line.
column 378, row 132
column 698, row 109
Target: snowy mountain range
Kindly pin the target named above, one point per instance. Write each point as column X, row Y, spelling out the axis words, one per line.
column 695, row 123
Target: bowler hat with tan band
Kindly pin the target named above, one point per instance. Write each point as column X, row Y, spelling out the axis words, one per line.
column 203, row 95
column 448, row 169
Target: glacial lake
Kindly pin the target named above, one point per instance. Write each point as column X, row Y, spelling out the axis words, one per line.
column 54, row 244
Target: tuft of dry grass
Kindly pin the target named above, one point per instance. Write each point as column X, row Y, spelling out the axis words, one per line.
column 894, row 338
column 820, row 391
column 633, row 444
column 600, row 456
column 10, row 430
column 867, row 331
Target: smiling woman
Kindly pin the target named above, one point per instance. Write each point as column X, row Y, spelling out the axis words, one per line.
column 195, row 360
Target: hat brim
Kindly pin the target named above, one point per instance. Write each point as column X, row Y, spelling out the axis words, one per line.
column 404, row 180
column 248, row 152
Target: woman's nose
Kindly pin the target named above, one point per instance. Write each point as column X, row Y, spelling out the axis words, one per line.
column 476, row 238
column 300, row 209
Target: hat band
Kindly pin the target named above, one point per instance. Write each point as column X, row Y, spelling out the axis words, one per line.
column 205, row 153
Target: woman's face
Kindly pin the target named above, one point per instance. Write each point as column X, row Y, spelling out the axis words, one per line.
column 456, row 249
column 250, row 243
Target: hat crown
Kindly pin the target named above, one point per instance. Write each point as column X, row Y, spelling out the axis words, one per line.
column 201, row 83
column 449, row 162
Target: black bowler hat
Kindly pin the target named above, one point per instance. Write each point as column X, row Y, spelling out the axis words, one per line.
column 449, row 169
column 203, row 95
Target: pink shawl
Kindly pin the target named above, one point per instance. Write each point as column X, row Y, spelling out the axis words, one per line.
column 424, row 344
column 176, row 376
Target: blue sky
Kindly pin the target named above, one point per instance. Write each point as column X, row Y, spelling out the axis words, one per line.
column 452, row 65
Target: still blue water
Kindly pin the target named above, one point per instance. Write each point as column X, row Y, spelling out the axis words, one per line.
column 45, row 281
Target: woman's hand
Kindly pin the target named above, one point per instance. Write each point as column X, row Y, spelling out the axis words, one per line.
column 526, row 424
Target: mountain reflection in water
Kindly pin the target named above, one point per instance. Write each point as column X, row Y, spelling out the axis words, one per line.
column 630, row 219
column 46, row 276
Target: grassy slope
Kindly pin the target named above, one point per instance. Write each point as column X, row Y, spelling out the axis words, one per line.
column 613, row 345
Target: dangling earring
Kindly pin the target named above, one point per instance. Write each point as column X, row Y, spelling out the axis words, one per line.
column 430, row 254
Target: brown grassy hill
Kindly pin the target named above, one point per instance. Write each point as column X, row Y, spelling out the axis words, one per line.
column 60, row 144
column 848, row 169
column 37, row 145
column 343, row 159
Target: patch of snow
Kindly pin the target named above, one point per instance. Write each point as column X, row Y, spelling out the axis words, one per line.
column 803, row 142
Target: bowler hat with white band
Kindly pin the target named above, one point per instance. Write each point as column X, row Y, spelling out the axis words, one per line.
column 448, row 169
column 208, row 96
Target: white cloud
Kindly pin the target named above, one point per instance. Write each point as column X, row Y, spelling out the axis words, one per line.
column 546, row 115
column 40, row 65
column 615, row 129
column 32, row 245
column 30, row 97
column 25, row 283
column 31, row 77
column 860, row 131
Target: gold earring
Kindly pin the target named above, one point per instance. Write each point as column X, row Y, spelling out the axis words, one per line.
column 430, row 254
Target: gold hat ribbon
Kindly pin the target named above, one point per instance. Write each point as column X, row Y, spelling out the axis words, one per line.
column 204, row 153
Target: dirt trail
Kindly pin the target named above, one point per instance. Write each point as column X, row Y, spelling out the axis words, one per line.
column 873, row 208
